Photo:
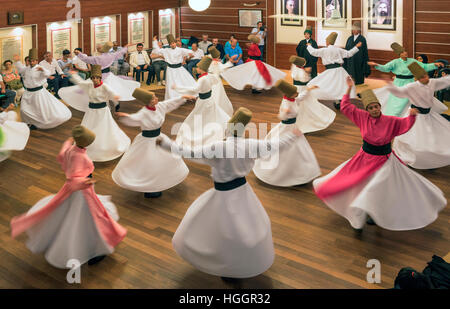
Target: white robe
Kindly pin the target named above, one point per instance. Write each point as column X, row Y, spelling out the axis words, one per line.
column 312, row 115
column 218, row 90
column 427, row 144
column 15, row 133
column 178, row 76
column 292, row 166
column 332, row 83
column 146, row 167
column 110, row 142
column 207, row 121
column 227, row 233
column 40, row 108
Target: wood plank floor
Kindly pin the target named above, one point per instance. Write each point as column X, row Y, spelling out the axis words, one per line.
column 315, row 248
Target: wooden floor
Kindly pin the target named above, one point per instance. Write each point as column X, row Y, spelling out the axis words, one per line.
column 315, row 248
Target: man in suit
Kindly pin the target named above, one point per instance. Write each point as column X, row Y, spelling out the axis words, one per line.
column 357, row 65
column 311, row 61
column 140, row 61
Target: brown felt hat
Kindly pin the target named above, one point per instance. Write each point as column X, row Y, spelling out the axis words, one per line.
column 288, row 89
column 83, row 136
column 367, row 97
column 298, row 61
column 397, row 48
column 214, row 52
column 204, row 63
column 96, row 70
column 331, row 38
column 254, row 39
column 171, row 39
column 417, row 70
column 239, row 120
column 106, row 47
column 143, row 96
column 33, row 54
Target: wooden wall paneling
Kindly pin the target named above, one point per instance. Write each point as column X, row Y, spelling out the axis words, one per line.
column 430, row 5
column 271, row 33
column 408, row 26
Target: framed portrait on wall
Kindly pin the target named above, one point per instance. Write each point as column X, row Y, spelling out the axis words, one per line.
column 382, row 14
column 334, row 13
column 249, row 18
column 292, row 11
column 166, row 18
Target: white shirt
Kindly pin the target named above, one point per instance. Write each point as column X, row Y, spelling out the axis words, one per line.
column 140, row 59
column 355, row 37
column 137, row 58
column 51, row 67
column 198, row 54
column 32, row 78
column 260, row 34
column 419, row 94
column 152, row 120
column 300, row 74
column 217, row 67
column 204, row 46
column 203, row 85
column 332, row 54
column 156, row 52
column 96, row 94
column 176, row 55
column 232, row 158
column 81, row 64
column 290, row 109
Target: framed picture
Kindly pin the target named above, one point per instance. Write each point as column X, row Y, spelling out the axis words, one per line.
column 165, row 25
column 382, row 14
column 15, row 18
column 334, row 13
column 249, row 18
column 291, row 8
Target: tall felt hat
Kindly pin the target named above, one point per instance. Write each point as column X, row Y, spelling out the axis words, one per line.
column 417, row 70
column 308, row 29
column 331, row 38
column 298, row 61
column 397, row 48
column 106, row 47
column 239, row 120
column 288, row 89
column 96, row 70
column 171, row 39
column 33, row 54
column 204, row 63
column 356, row 26
column 253, row 38
column 367, row 97
column 83, row 136
column 214, row 52
column 143, row 96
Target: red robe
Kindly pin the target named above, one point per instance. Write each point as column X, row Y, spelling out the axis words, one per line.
column 254, row 51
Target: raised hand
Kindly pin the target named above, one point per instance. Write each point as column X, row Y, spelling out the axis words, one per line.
column 359, row 44
column 16, row 58
column 372, row 63
column 349, row 81
column 413, row 111
column 120, row 114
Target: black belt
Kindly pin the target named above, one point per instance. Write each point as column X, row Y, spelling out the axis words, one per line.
column 421, row 109
column 230, row 185
column 205, row 95
column 332, row 66
column 174, row 66
column 97, row 105
column 299, row 83
column 254, row 58
column 289, row 121
column 34, row 89
column 404, row 76
column 107, row 70
column 151, row 133
column 377, row 150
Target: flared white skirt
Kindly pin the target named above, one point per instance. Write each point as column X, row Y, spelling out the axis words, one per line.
column 226, row 233
column 220, row 97
column 179, row 77
column 124, row 88
column 69, row 232
column 16, row 134
column 396, row 197
column 332, row 84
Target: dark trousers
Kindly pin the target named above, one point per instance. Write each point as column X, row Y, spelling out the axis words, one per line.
column 7, row 98
column 261, row 48
column 140, row 70
column 159, row 66
column 57, row 83
column 191, row 64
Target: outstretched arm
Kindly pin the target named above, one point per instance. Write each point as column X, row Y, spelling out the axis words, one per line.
column 172, row 104
column 314, row 52
column 88, row 59
column 353, row 113
column 400, row 92
column 441, row 83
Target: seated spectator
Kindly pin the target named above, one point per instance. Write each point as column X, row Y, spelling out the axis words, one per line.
column 120, row 66
column 192, row 40
column 159, row 63
column 84, row 69
column 65, row 63
column 12, row 79
column 234, row 53
column 228, row 43
column 57, row 79
column 6, row 96
column 424, row 59
column 219, row 47
column 140, row 61
column 194, row 58
column 204, row 44
column 180, row 43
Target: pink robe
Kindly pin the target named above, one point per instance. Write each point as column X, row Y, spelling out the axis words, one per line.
column 376, row 131
column 77, row 167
